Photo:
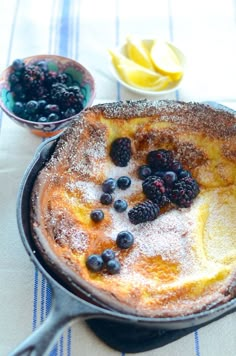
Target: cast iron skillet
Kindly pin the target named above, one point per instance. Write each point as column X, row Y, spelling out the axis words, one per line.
column 123, row 332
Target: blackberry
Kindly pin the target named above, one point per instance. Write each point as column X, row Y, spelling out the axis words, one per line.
column 143, row 212
column 160, row 159
column 50, row 78
column 62, row 78
column 67, row 97
column 120, row 151
column 154, row 189
column 32, row 78
column 184, row 191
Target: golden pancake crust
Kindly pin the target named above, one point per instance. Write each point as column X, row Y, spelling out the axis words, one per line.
column 181, row 263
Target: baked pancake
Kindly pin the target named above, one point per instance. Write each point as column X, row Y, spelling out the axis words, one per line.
column 180, row 261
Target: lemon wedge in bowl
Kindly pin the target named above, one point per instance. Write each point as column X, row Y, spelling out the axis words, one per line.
column 148, row 66
column 138, row 52
column 165, row 59
column 137, row 75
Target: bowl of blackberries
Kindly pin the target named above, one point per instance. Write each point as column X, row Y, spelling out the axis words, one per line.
column 45, row 92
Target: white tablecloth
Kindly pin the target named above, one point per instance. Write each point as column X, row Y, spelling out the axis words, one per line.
column 84, row 30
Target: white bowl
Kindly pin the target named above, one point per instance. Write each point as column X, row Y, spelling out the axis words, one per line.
column 169, row 89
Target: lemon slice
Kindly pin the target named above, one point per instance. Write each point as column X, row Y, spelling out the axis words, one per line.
column 138, row 76
column 165, row 60
column 137, row 52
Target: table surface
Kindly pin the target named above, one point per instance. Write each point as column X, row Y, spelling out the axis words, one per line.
column 83, row 30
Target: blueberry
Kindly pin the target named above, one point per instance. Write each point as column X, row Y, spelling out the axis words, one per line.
column 17, row 89
column 169, row 178
column 176, row 166
column 159, row 174
column 51, row 108
column 124, row 239
column 184, row 173
column 144, row 172
column 31, row 106
column 97, row 215
column 94, row 263
column 108, row 255
column 106, row 199
column 53, row 117
column 18, row 108
column 113, row 266
column 18, row 64
column 42, row 119
column 109, row 185
column 120, row 205
column 69, row 112
column 43, row 65
column 123, row 182
column 20, row 96
column 13, row 78
column 41, row 105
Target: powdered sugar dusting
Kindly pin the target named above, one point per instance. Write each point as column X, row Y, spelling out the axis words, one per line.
column 64, row 232
column 169, row 236
column 88, row 191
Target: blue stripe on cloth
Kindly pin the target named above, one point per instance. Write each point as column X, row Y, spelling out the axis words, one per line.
column 171, row 32
column 117, row 26
column 35, row 301
column 64, row 28
column 77, row 32
column 69, row 338
column 51, row 27
column 197, row 345
column 42, row 304
column 48, row 298
column 48, row 304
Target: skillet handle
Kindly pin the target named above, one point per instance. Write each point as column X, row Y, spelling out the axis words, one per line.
column 65, row 309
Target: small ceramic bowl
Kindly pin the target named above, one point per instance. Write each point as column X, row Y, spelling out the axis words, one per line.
column 77, row 74
column 169, row 89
